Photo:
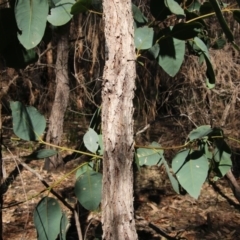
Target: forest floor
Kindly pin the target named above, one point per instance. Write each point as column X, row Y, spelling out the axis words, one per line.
column 160, row 213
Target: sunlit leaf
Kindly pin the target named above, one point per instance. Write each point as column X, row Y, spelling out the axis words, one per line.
column 47, row 217
column 225, row 163
column 154, row 50
column 200, row 132
column 171, row 55
column 172, row 179
column 138, row 15
column 28, row 123
column 174, row 7
column 91, row 140
column 88, row 189
column 149, row 156
column 83, row 169
column 64, row 225
column 31, row 17
column 60, row 14
column 143, row 38
column 191, row 173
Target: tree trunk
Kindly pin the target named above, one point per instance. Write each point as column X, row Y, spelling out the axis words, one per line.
column 55, row 128
column 117, row 122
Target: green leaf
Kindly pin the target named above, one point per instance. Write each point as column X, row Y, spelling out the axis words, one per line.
column 28, row 123
column 55, row 1
column 138, row 15
column 206, row 8
column 210, row 73
column 191, row 173
column 172, row 179
column 225, row 163
column 194, row 15
column 149, row 157
column 91, row 140
column 236, row 15
column 154, row 50
column 143, row 38
column 40, row 154
column 220, row 144
column 31, row 17
column 88, row 189
column 200, row 132
column 137, row 161
column 83, row 169
column 184, row 31
column 47, row 217
column 81, row 6
column 158, row 9
column 219, row 155
column 60, row 14
column 134, row 25
column 64, row 225
column 201, row 47
column 194, row 6
column 222, row 20
column 174, row 7
column 219, row 43
column 201, row 59
column 208, row 152
column 179, row 159
column 171, row 55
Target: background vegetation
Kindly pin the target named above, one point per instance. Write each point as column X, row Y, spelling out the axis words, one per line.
column 200, row 90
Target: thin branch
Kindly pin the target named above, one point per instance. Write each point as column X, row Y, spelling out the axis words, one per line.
column 46, row 185
column 78, row 225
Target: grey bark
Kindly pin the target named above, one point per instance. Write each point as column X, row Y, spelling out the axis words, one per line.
column 117, row 122
column 55, row 128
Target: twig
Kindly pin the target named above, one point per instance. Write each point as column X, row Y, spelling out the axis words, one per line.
column 184, row 115
column 24, row 190
column 89, row 224
column 143, row 130
column 78, row 226
column 161, row 232
column 234, row 185
column 46, row 185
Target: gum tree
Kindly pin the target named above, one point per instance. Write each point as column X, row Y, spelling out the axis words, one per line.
column 117, row 121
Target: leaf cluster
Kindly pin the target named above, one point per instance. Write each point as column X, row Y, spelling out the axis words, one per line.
column 177, row 26
column 26, row 23
column 206, row 151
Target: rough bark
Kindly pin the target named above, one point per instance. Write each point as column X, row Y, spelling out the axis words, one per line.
column 55, row 128
column 117, row 122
